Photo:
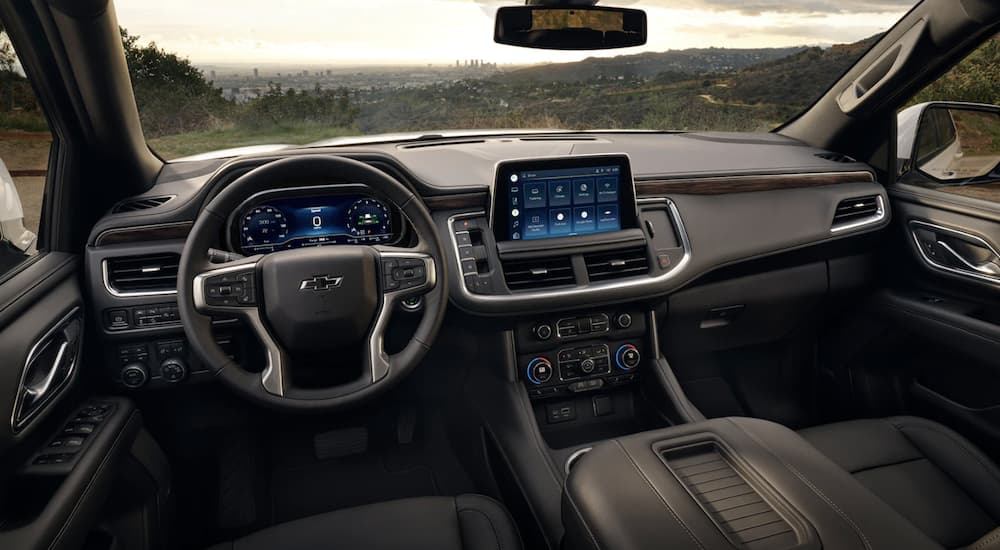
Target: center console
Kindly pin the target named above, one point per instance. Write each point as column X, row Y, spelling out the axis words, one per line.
column 721, row 484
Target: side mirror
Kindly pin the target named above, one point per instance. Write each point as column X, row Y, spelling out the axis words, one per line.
column 555, row 27
column 952, row 143
column 13, row 235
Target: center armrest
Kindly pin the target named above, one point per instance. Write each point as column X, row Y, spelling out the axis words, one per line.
column 724, row 483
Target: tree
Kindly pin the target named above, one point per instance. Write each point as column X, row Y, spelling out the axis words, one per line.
column 172, row 94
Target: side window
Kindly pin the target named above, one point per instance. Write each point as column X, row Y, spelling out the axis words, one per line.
column 24, row 153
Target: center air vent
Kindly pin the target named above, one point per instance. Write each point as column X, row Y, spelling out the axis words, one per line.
column 538, row 273
column 614, row 265
column 151, row 273
column 145, row 203
column 858, row 211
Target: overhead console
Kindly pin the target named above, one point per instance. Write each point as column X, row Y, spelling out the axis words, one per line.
column 564, row 229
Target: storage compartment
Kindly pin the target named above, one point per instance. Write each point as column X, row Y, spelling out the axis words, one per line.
column 723, row 484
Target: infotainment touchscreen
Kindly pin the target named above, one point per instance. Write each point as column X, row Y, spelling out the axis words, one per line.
column 563, row 197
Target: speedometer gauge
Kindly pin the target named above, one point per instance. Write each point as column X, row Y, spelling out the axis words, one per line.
column 369, row 218
column 264, row 225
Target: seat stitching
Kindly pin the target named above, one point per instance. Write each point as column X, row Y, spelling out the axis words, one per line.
column 804, row 479
column 987, row 541
column 657, row 493
column 896, row 423
column 496, row 534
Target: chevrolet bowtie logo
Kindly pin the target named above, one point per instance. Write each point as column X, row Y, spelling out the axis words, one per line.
column 320, row 283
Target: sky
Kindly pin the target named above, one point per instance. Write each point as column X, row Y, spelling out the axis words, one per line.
column 352, row 32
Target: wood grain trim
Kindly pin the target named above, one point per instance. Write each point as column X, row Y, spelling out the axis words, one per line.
column 723, row 185
column 144, row 233
column 987, row 191
column 455, row 202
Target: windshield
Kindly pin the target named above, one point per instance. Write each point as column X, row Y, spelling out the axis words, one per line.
column 229, row 73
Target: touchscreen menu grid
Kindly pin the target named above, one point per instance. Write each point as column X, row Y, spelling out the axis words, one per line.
column 559, row 203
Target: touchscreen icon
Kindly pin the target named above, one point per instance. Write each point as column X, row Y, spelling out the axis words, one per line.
column 513, row 178
column 515, row 212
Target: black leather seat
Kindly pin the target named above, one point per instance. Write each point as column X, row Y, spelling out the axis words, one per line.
column 466, row 522
column 931, row 475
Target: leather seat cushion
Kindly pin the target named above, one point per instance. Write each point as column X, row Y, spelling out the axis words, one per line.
column 927, row 472
column 466, row 522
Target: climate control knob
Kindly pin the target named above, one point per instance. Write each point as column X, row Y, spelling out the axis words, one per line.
column 539, row 370
column 173, row 370
column 627, row 357
column 134, row 375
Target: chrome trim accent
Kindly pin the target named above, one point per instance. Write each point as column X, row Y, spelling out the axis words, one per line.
column 15, row 425
column 961, row 234
column 228, row 228
column 119, row 294
column 654, row 334
column 272, row 377
column 378, row 359
column 576, row 456
column 527, row 298
column 875, row 218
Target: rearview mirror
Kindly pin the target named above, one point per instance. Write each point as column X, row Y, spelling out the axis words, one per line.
column 576, row 28
column 954, row 142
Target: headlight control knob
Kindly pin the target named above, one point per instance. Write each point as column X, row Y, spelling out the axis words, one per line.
column 173, row 370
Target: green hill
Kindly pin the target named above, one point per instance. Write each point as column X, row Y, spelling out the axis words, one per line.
column 648, row 65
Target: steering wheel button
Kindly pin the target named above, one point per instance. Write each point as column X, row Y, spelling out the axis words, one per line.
column 391, row 284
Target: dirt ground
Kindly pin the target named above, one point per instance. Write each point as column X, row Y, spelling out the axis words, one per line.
column 30, row 153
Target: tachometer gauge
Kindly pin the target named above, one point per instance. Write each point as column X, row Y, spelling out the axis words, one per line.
column 262, row 226
column 369, row 217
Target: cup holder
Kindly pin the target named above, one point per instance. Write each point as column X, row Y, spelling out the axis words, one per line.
column 571, row 461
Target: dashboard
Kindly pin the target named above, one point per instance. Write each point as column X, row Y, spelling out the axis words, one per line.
column 297, row 218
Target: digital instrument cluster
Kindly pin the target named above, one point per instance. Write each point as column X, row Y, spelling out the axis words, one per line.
column 285, row 222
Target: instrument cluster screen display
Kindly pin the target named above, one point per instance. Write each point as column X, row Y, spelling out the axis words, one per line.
column 542, row 201
column 294, row 222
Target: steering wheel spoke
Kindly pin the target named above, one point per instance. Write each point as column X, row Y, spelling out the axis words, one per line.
column 234, row 288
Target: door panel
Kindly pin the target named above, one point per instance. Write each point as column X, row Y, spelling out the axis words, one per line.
column 943, row 303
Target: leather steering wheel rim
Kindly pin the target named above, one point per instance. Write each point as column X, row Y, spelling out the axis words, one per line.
column 386, row 371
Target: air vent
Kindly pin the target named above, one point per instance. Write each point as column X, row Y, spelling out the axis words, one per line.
column 149, row 274
column 538, row 273
column 443, row 143
column 558, row 138
column 134, row 205
column 836, row 157
column 615, row 265
column 858, row 211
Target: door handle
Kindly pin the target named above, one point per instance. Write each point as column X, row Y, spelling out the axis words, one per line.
column 48, row 369
column 36, row 391
column 988, row 267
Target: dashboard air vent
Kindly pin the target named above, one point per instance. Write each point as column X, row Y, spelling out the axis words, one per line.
column 538, row 273
column 858, row 209
column 836, row 157
column 615, row 265
column 142, row 274
column 145, row 203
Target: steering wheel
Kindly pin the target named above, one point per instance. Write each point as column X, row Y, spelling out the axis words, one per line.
column 310, row 302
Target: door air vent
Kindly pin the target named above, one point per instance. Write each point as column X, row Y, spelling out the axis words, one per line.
column 538, row 273
column 615, row 265
column 145, row 203
column 858, row 211
column 836, row 157
column 148, row 274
